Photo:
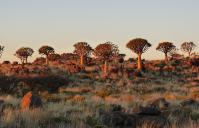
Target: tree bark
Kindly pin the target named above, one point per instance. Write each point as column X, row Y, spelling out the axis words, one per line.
column 105, row 68
column 189, row 54
column 26, row 60
column 139, row 63
column 82, row 60
column 47, row 62
column 166, row 57
column 22, row 61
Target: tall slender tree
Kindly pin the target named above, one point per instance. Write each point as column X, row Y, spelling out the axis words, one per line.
column 166, row 47
column 138, row 46
column 188, row 47
column 106, row 52
column 46, row 50
column 23, row 54
column 82, row 49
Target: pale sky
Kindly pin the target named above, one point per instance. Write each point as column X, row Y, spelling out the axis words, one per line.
column 61, row 23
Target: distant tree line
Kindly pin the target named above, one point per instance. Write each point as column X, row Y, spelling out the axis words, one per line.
column 105, row 51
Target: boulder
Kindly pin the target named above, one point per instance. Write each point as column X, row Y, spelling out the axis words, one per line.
column 151, row 117
column 118, row 119
column 189, row 103
column 30, row 101
column 148, row 111
column 2, row 103
column 115, row 108
column 145, row 117
column 160, row 103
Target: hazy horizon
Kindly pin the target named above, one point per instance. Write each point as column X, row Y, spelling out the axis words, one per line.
column 62, row 23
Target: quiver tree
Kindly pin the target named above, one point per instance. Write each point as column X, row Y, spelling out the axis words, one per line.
column 166, row 47
column 138, row 46
column 69, row 56
column 106, row 52
column 173, row 54
column 23, row 54
column 54, row 57
column 188, row 47
column 46, row 50
column 120, row 60
column 82, row 49
column 1, row 50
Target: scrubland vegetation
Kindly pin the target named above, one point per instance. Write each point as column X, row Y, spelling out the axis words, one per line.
column 106, row 90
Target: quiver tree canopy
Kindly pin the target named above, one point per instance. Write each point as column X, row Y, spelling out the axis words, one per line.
column 82, row 49
column 54, row 57
column 46, row 50
column 23, row 53
column 188, row 47
column 106, row 52
column 166, row 47
column 138, row 46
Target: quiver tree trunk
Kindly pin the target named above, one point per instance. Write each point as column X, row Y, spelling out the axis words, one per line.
column 26, row 60
column 166, row 57
column 189, row 54
column 105, row 68
column 81, row 60
column 47, row 62
column 139, row 62
column 22, row 62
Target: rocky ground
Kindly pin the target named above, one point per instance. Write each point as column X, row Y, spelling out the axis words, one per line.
column 161, row 96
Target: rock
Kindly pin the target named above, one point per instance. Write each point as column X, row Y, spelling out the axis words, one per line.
column 147, row 116
column 30, row 101
column 148, row 111
column 160, row 103
column 116, row 108
column 2, row 103
column 151, row 117
column 118, row 120
column 189, row 103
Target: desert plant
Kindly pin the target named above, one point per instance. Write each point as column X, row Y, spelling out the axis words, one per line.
column 54, row 57
column 23, row 54
column 82, row 49
column 105, row 52
column 188, row 47
column 165, row 47
column 39, row 61
column 138, row 46
column 69, row 56
column 46, row 50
